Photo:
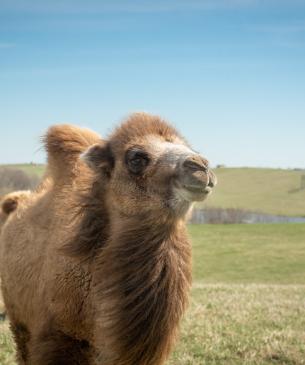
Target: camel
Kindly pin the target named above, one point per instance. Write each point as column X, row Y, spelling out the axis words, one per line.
column 96, row 265
column 8, row 204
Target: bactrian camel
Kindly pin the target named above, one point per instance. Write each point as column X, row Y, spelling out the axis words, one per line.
column 96, row 263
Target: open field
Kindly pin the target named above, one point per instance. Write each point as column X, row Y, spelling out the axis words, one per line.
column 271, row 191
column 32, row 169
column 248, row 298
column 254, row 253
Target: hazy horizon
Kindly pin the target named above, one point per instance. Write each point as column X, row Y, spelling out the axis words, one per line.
column 213, row 166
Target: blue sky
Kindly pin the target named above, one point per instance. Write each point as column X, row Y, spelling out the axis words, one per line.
column 230, row 74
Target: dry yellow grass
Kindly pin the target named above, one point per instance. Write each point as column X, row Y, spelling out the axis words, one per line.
column 249, row 324
column 229, row 324
column 7, row 348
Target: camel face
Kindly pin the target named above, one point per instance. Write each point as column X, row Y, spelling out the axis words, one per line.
column 185, row 170
column 153, row 168
column 166, row 170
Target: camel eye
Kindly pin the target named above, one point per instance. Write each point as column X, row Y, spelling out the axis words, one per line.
column 136, row 160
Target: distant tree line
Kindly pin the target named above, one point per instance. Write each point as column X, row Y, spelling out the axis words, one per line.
column 235, row 215
column 15, row 179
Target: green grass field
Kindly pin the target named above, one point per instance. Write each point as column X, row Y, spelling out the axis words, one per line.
column 271, row 191
column 248, row 298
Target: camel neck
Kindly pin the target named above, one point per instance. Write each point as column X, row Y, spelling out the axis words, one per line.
column 144, row 227
column 146, row 277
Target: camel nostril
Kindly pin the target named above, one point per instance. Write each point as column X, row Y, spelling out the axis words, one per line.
column 211, row 183
column 212, row 179
column 195, row 164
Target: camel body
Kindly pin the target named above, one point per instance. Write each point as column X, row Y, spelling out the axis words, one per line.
column 43, row 283
column 96, row 263
column 47, row 293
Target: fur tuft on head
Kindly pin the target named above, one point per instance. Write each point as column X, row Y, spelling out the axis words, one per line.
column 139, row 125
column 64, row 144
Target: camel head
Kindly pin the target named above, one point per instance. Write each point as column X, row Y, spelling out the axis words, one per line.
column 147, row 166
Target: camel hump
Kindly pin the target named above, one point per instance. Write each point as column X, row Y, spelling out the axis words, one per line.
column 9, row 205
column 9, row 202
column 64, row 144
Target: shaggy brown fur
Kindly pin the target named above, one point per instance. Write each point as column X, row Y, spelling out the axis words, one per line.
column 64, row 144
column 96, row 268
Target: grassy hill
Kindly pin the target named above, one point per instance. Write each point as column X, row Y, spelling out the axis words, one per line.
column 272, row 191
column 32, row 169
column 247, row 305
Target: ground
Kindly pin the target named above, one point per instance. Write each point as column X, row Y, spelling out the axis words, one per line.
column 248, row 298
column 252, row 324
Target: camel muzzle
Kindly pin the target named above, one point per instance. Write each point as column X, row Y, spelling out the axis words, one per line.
column 195, row 179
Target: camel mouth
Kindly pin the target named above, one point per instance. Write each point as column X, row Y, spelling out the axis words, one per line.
column 193, row 193
column 197, row 189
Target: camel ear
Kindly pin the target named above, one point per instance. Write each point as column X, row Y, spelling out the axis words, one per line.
column 99, row 157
